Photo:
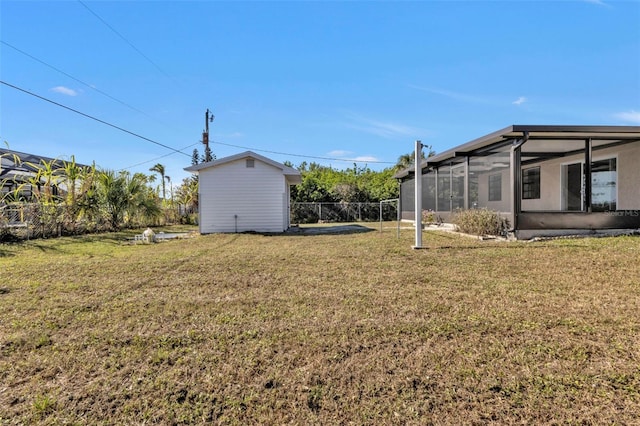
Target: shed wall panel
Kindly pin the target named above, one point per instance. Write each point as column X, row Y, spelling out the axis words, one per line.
column 237, row 198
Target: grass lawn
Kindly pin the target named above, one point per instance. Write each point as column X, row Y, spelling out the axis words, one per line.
column 353, row 328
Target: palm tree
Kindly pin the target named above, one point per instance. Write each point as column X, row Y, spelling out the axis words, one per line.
column 70, row 175
column 187, row 194
column 142, row 201
column 406, row 160
column 113, row 196
column 88, row 194
column 125, row 198
column 45, row 181
column 10, row 189
column 168, row 179
column 159, row 168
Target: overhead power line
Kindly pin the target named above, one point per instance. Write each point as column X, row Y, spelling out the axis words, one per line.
column 125, row 40
column 305, row 156
column 178, row 151
column 93, row 118
column 74, row 78
column 158, row 158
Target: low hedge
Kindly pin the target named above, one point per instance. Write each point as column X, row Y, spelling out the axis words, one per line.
column 481, row 222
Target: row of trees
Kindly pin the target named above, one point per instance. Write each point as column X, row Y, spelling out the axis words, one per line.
column 83, row 199
column 75, row 198
column 323, row 183
column 351, row 185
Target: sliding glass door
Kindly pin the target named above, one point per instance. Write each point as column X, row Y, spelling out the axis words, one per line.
column 572, row 184
column 604, row 180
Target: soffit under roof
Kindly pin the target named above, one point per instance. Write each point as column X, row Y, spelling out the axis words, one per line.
column 547, row 138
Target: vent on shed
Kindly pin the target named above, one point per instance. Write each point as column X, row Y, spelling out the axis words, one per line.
column 250, row 163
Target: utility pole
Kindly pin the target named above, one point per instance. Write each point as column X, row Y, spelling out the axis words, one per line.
column 208, row 118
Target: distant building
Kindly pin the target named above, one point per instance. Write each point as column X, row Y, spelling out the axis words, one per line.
column 17, row 170
column 244, row 192
column 547, row 180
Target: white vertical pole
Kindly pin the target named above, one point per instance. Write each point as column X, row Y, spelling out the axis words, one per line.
column 398, row 218
column 418, row 195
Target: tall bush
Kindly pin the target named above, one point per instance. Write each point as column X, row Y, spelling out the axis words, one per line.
column 126, row 199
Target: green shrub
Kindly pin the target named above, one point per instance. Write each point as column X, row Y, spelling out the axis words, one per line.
column 428, row 217
column 480, row 222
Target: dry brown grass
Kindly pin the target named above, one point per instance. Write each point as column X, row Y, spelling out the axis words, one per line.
column 329, row 329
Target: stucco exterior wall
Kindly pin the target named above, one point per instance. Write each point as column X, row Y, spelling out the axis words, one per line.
column 628, row 178
column 504, row 204
column 550, row 186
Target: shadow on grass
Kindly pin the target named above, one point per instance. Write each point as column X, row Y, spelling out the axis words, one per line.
column 4, row 253
column 504, row 246
column 42, row 247
column 60, row 244
column 305, row 231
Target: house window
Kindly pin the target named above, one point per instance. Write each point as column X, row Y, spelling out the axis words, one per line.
column 250, row 163
column 495, row 187
column 531, row 183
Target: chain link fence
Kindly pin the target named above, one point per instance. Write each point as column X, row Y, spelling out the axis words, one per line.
column 23, row 221
column 343, row 212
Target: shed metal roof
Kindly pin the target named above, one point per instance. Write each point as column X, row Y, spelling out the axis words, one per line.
column 292, row 174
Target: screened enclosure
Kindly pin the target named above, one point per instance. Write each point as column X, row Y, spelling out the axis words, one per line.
column 543, row 179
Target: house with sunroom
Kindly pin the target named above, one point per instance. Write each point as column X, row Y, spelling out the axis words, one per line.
column 244, row 192
column 18, row 171
column 546, row 180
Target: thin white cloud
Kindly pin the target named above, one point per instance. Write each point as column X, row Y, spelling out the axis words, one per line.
column 629, row 116
column 597, row 2
column 348, row 156
column 463, row 97
column 64, row 91
column 385, row 129
column 366, row 158
column 231, row 135
column 519, row 101
column 339, row 153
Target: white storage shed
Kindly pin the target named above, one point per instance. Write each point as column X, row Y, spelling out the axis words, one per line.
column 244, row 192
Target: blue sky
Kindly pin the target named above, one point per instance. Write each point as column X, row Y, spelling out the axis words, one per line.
column 304, row 81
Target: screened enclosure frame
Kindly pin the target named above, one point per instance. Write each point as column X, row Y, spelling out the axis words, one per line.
column 586, row 178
